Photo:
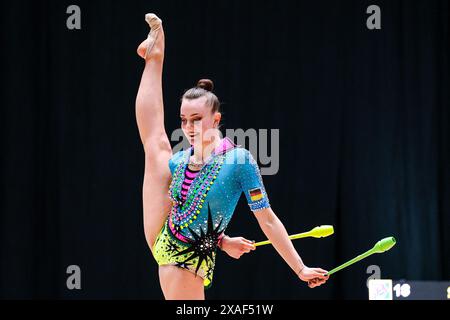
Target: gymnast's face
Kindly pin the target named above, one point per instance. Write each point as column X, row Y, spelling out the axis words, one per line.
column 198, row 121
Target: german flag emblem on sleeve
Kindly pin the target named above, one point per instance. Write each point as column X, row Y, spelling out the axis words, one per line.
column 256, row 194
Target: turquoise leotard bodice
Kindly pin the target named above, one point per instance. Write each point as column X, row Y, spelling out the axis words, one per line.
column 190, row 235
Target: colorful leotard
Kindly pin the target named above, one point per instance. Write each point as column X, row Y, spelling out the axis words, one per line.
column 189, row 237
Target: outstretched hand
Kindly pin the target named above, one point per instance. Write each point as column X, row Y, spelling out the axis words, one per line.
column 235, row 247
column 314, row 276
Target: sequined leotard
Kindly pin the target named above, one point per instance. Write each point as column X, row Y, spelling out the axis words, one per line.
column 189, row 237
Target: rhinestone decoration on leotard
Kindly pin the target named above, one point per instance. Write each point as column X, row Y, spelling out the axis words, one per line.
column 198, row 240
column 204, row 245
column 184, row 213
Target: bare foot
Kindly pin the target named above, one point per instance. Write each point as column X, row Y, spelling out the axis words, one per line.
column 153, row 46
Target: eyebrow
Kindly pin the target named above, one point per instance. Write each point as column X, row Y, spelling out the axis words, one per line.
column 194, row 114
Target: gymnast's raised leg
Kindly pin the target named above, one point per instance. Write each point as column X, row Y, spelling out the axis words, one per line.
column 150, row 121
column 175, row 283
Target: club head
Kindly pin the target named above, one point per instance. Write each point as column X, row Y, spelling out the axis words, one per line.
column 384, row 244
column 322, row 231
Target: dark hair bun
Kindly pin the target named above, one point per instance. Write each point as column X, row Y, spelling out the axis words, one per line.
column 206, row 84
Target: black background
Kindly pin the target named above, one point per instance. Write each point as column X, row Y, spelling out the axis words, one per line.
column 364, row 131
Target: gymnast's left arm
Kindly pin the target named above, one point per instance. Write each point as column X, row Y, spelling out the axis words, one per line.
column 253, row 187
column 275, row 231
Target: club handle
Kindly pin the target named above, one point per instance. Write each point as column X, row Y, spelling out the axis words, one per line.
column 317, row 232
column 350, row 262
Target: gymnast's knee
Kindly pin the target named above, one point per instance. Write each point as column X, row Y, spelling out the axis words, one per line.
column 156, row 144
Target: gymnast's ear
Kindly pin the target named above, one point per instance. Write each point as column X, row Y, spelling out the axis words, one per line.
column 217, row 117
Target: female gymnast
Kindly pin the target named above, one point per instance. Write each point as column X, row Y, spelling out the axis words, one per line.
column 189, row 197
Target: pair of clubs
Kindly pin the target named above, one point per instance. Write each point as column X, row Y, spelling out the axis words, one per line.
column 326, row 230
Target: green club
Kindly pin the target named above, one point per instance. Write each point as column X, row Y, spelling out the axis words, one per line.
column 381, row 246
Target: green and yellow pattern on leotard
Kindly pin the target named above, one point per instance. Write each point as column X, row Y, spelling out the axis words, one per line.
column 196, row 255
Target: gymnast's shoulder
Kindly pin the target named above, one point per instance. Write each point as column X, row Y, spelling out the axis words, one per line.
column 177, row 157
column 239, row 155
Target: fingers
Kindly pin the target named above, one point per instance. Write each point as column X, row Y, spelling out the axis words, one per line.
column 321, row 270
column 311, row 283
column 319, row 273
column 250, row 242
column 247, row 245
column 315, row 282
column 317, row 277
column 247, row 248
